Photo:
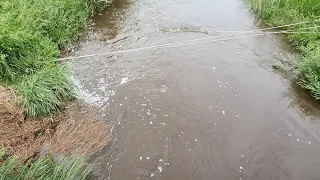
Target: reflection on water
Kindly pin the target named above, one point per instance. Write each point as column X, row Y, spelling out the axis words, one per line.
column 108, row 23
column 302, row 99
column 209, row 110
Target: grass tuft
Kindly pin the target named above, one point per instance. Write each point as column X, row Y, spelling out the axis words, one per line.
column 74, row 168
column 45, row 91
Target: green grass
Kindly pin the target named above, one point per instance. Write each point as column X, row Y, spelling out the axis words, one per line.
column 45, row 91
column 32, row 33
column 45, row 168
column 282, row 12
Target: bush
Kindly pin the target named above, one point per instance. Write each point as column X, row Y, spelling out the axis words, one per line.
column 45, row 91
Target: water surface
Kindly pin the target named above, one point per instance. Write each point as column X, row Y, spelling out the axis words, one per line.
column 211, row 110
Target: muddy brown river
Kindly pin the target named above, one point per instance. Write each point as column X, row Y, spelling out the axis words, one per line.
column 214, row 110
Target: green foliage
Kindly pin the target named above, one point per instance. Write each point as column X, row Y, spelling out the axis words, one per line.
column 32, row 33
column 45, row 91
column 21, row 52
column 74, row 168
column 310, row 69
column 282, row 12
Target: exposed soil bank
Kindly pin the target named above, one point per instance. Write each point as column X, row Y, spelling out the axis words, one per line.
column 76, row 131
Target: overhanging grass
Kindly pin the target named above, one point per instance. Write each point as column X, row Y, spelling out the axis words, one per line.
column 32, row 32
column 74, row 168
column 310, row 68
column 45, row 91
column 282, row 12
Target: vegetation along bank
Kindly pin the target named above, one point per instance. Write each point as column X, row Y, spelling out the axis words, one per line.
column 282, row 12
column 32, row 33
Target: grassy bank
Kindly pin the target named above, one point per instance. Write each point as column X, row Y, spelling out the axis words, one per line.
column 282, row 12
column 33, row 32
column 78, row 132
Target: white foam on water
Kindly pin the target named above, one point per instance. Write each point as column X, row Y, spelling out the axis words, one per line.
column 124, row 80
column 163, row 88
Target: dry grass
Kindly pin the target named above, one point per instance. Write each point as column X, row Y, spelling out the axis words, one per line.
column 17, row 135
column 10, row 113
column 78, row 130
column 79, row 133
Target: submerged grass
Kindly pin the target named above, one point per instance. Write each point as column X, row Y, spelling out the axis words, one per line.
column 281, row 12
column 74, row 168
column 32, row 32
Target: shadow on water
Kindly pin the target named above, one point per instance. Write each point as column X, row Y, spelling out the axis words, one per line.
column 302, row 99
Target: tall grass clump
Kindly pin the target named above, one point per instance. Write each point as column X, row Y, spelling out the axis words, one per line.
column 45, row 91
column 74, row 168
column 21, row 52
column 282, row 12
column 32, row 33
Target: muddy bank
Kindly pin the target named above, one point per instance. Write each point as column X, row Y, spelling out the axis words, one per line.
column 78, row 130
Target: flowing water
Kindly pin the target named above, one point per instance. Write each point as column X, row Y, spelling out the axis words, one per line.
column 212, row 110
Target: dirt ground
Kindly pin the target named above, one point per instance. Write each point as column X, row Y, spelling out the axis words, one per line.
column 76, row 130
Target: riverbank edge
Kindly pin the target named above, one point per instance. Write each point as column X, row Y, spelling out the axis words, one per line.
column 39, row 91
column 282, row 12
